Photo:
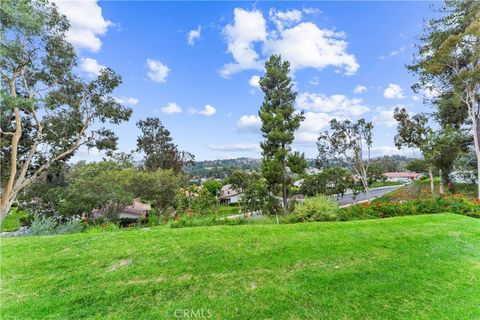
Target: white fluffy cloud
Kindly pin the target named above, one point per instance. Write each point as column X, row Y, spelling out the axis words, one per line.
column 127, row 100
column 254, row 81
column 284, row 18
column 312, row 125
column 248, row 27
column 87, row 23
column 308, row 46
column 91, row 66
column 249, row 123
column 304, row 44
column 171, row 108
column 384, row 117
column 393, row 91
column 194, row 35
column 235, row 147
column 337, row 104
column 359, row 89
column 157, row 71
column 208, row 111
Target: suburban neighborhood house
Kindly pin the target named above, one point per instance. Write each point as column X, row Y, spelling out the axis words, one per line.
column 401, row 176
column 137, row 210
column 229, row 195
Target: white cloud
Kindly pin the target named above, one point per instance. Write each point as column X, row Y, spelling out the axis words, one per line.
column 208, row 111
column 249, row 123
column 91, row 66
column 416, row 98
column 384, row 117
column 308, row 46
column 235, row 147
column 171, row 108
column 87, row 23
column 304, row 45
column 312, row 125
column 359, row 89
column 393, row 53
column 254, row 81
column 393, row 91
column 314, row 81
column 284, row 18
column 194, row 35
column 158, row 71
column 337, row 104
column 248, row 27
column 127, row 100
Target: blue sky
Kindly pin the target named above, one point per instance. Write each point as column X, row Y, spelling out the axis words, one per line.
column 195, row 66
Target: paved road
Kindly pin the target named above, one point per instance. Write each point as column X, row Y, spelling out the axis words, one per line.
column 374, row 193
column 345, row 200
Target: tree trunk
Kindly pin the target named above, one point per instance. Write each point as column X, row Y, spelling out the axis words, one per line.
column 285, row 197
column 432, row 185
column 5, row 207
column 476, row 138
column 440, row 186
column 6, row 199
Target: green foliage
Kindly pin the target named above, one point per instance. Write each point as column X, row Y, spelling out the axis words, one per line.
column 42, row 226
column 159, row 150
column 383, row 208
column 279, row 123
column 40, row 90
column 319, row 208
column 103, row 186
column 213, row 186
column 296, row 162
column 331, row 181
column 255, row 195
column 418, row 165
column 203, row 201
column 14, row 219
column 349, row 141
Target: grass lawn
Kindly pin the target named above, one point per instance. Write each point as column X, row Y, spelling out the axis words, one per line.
column 415, row 267
column 12, row 220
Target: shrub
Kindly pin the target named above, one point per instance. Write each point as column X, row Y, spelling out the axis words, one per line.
column 384, row 208
column 72, row 226
column 317, row 208
column 42, row 226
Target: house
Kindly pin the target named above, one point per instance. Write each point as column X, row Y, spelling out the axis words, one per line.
column 229, row 195
column 401, row 176
column 137, row 210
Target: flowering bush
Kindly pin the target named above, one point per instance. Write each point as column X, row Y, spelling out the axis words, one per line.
column 383, row 208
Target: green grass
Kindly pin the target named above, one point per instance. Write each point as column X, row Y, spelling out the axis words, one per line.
column 416, row 267
column 12, row 220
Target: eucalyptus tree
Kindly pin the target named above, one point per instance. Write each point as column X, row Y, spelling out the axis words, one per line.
column 448, row 61
column 157, row 145
column 47, row 112
column 414, row 132
column 350, row 142
column 279, row 123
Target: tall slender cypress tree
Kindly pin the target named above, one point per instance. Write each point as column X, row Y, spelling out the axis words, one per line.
column 279, row 123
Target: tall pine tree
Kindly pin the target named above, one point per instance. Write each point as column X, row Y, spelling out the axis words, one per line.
column 279, row 123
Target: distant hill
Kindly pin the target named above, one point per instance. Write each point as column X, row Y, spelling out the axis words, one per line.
column 220, row 169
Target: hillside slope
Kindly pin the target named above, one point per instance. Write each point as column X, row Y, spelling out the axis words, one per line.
column 422, row 267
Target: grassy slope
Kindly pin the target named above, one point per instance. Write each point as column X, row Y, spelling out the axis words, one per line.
column 422, row 267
